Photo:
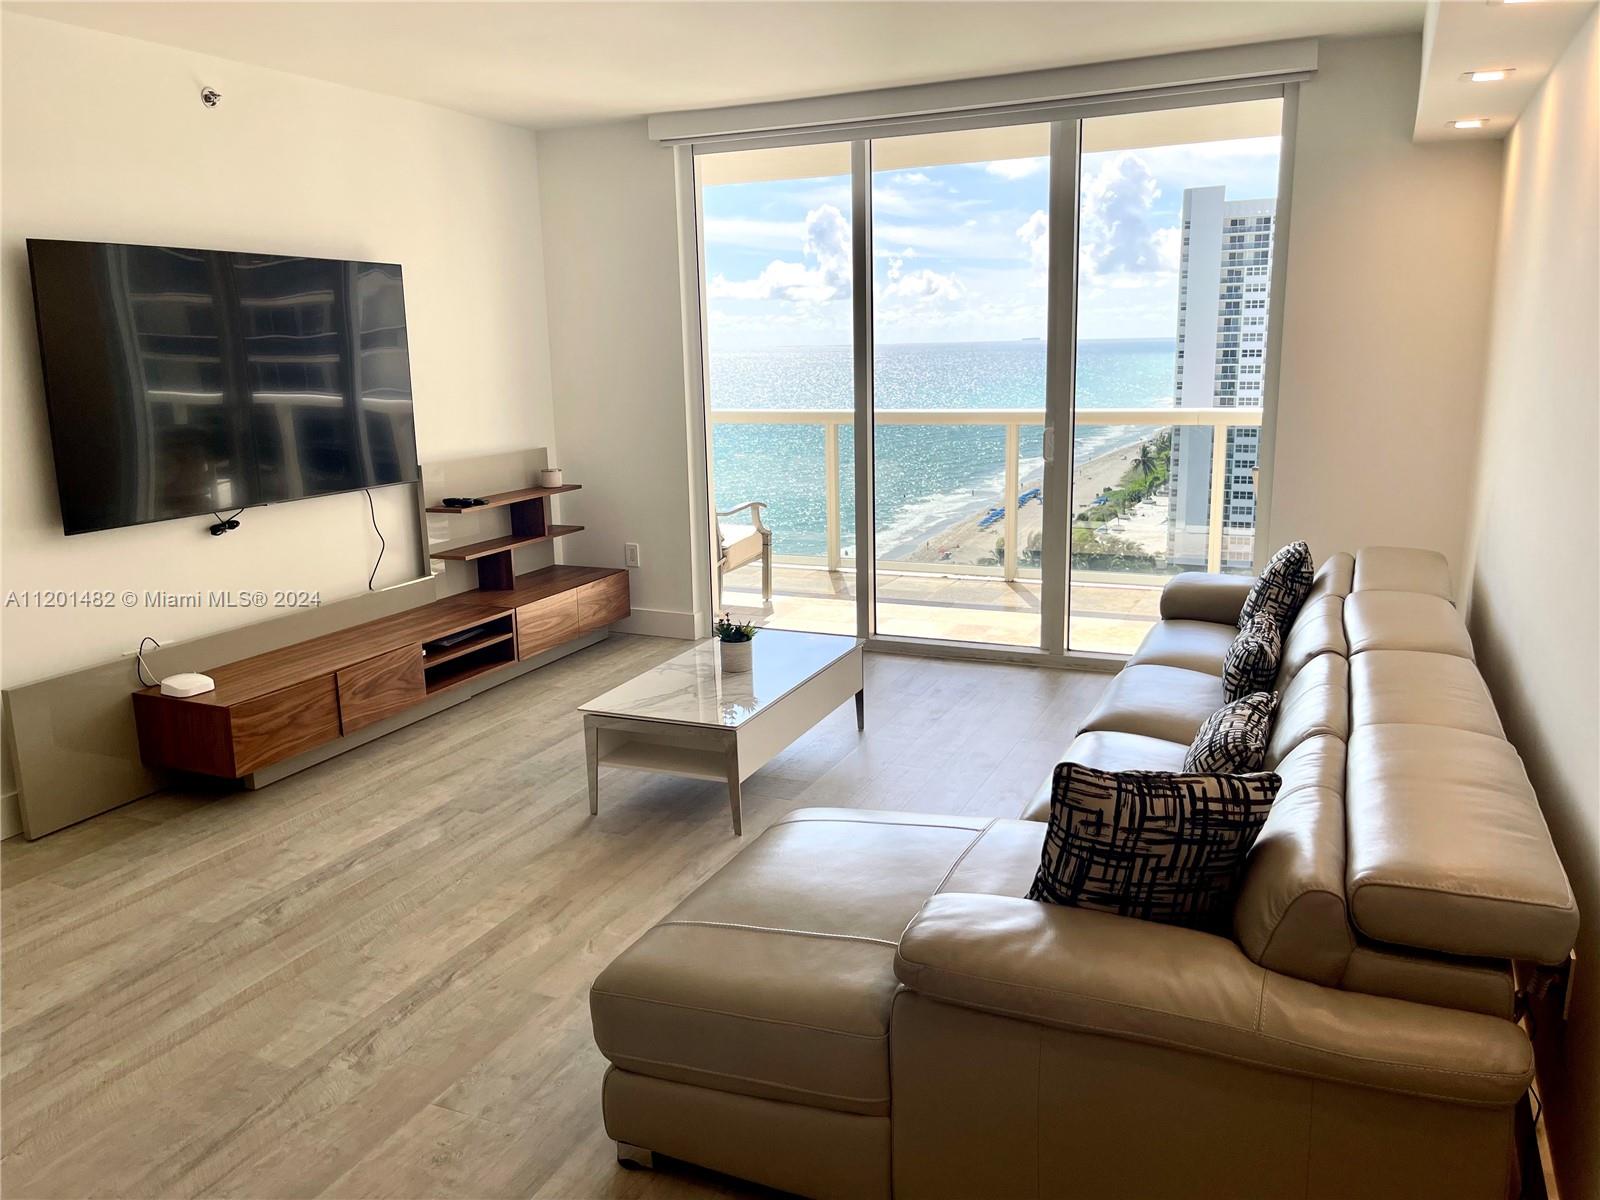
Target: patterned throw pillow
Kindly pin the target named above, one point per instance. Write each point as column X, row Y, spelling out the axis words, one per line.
column 1252, row 661
column 1151, row 844
column 1233, row 740
column 1283, row 586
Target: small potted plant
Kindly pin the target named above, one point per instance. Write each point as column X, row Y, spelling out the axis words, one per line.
column 735, row 640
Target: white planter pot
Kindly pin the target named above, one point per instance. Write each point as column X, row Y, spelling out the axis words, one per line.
column 550, row 477
column 736, row 656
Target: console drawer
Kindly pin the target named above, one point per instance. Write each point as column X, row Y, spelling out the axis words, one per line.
column 284, row 723
column 546, row 623
column 603, row 601
column 379, row 687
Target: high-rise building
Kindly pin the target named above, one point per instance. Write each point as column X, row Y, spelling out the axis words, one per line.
column 1224, row 278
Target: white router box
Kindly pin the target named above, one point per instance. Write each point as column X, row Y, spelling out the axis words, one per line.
column 190, row 683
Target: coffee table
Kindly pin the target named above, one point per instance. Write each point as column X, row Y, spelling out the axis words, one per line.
column 690, row 717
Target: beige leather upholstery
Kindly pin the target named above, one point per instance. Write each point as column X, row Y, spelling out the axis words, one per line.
column 1160, row 702
column 1290, row 915
column 1110, row 751
column 802, row 929
column 1100, row 973
column 863, row 1004
column 1404, row 621
column 1316, row 702
column 998, row 1106
column 796, row 1147
column 1335, row 577
column 1412, row 687
column 1193, row 645
column 1475, row 984
column 1402, row 569
column 1201, row 596
column 1448, row 850
column 1318, row 629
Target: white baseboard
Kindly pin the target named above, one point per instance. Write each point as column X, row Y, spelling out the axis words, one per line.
column 658, row 622
column 10, row 816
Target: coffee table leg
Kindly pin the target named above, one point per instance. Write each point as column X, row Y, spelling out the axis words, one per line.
column 591, row 750
column 861, row 709
column 733, row 789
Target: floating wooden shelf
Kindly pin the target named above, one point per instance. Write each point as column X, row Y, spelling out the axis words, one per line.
column 500, row 545
column 464, row 671
column 429, row 661
column 501, row 499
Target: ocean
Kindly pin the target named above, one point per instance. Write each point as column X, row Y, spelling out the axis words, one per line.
column 927, row 475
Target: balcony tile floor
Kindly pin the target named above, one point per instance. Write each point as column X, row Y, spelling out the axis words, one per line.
column 1106, row 617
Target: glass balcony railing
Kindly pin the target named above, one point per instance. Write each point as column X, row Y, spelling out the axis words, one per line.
column 1155, row 492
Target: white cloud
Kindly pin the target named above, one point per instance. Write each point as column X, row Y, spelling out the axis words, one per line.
column 1035, row 235
column 1119, row 234
column 924, row 285
column 826, row 241
column 912, row 177
column 1016, row 168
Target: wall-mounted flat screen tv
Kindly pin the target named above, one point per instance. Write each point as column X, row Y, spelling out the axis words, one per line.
column 186, row 382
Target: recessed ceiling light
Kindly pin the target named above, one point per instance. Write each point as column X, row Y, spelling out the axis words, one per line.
column 1470, row 123
column 1493, row 75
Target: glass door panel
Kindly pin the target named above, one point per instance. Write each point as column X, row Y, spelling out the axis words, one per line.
column 1175, row 221
column 775, row 272
column 959, row 249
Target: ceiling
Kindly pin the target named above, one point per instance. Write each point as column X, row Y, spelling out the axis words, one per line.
column 1461, row 38
column 551, row 64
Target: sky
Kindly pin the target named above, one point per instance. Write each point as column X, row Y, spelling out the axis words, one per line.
column 959, row 250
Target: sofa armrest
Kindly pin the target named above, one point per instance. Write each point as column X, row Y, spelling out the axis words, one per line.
column 1136, row 980
column 1202, row 596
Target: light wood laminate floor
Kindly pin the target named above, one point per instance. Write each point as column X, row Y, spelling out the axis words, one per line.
column 370, row 979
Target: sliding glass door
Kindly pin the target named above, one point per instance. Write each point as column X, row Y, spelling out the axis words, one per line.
column 959, row 250
column 1056, row 424
column 1175, row 215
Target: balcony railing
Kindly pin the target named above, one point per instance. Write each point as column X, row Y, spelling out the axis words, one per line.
column 1219, row 420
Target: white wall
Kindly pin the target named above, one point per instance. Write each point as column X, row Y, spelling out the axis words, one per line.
column 1534, row 589
column 1391, row 253
column 609, row 202
column 105, row 139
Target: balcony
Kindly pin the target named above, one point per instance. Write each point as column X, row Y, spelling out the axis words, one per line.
column 978, row 579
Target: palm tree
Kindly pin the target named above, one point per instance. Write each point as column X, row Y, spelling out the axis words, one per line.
column 1146, row 460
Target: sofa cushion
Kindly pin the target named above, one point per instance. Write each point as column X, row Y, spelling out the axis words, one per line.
column 1160, row 702
column 1150, row 844
column 1251, row 664
column 1290, row 913
column 1448, row 850
column 775, row 978
column 1334, row 577
column 1415, row 687
column 1193, row 645
column 1404, row 621
column 1283, row 587
column 1402, row 569
column 1473, row 984
column 1107, row 751
column 1318, row 630
column 1233, row 739
column 1315, row 703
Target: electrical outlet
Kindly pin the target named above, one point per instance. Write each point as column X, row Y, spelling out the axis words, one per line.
column 630, row 554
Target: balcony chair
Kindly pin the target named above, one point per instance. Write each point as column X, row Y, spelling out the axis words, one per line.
column 739, row 544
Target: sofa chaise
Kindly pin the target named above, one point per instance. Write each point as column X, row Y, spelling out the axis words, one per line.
column 861, row 1004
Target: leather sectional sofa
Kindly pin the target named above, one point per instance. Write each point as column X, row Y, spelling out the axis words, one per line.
column 862, row 1004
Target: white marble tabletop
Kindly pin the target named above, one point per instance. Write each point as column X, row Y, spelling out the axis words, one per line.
column 693, row 689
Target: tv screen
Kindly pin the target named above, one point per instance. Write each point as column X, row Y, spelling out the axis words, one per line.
column 186, row 382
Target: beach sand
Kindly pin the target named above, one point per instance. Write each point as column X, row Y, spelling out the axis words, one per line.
column 963, row 542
